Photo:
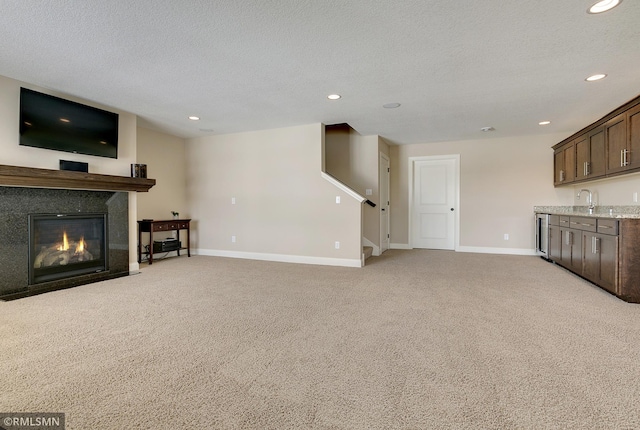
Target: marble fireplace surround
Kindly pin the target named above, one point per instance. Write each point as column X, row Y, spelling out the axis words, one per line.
column 25, row 191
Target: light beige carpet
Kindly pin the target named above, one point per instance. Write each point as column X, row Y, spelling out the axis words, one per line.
column 415, row 340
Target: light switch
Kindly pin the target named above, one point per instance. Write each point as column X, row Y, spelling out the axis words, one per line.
column 233, row 200
column 338, row 199
column 369, row 192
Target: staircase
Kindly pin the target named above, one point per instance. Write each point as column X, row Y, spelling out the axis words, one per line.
column 367, row 251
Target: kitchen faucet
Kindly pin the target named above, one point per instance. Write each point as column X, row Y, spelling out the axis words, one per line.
column 590, row 204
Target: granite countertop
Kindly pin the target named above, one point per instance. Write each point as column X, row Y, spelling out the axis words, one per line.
column 631, row 212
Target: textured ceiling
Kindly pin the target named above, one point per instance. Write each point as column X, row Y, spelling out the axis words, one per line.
column 455, row 66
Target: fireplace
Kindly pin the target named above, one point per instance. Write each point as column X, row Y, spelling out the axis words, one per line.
column 33, row 256
column 66, row 245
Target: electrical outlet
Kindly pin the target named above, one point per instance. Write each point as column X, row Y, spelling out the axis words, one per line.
column 233, row 239
column 369, row 192
column 635, row 197
column 506, row 236
column 337, row 245
column 233, row 200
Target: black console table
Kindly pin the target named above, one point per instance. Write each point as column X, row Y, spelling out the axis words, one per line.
column 152, row 226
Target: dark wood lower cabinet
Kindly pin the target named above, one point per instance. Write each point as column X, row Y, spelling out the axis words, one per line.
column 629, row 260
column 600, row 260
column 555, row 247
column 571, row 248
column 604, row 251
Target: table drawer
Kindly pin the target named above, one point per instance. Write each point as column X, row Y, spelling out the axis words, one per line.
column 170, row 225
column 162, row 226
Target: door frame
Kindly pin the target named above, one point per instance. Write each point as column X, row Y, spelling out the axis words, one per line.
column 386, row 206
column 456, row 175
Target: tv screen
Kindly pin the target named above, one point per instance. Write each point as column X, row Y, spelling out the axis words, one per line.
column 53, row 123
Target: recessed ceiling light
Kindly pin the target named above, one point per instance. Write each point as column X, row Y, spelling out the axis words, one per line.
column 194, row 118
column 64, row 120
column 597, row 77
column 544, row 123
column 334, row 96
column 391, row 105
column 485, row 129
column 603, row 6
column 207, row 130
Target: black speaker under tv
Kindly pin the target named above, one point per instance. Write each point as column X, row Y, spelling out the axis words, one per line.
column 54, row 123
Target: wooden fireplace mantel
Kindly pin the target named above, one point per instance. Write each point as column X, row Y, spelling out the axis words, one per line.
column 46, row 178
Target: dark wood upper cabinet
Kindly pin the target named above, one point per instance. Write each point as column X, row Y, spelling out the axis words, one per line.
column 590, row 155
column 633, row 138
column 616, row 138
column 608, row 147
column 597, row 153
column 564, row 164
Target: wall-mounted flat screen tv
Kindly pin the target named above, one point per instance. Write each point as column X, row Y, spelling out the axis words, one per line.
column 62, row 125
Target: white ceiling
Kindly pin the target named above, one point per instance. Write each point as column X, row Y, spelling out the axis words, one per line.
column 455, row 66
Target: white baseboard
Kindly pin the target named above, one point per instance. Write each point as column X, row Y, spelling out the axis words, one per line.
column 134, row 268
column 399, row 246
column 281, row 258
column 488, row 250
column 479, row 249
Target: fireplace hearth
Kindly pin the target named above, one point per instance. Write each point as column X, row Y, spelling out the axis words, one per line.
column 66, row 245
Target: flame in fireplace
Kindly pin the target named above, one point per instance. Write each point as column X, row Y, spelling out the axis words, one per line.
column 80, row 246
column 65, row 243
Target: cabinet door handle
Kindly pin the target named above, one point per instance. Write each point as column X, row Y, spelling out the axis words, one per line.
column 587, row 168
column 561, row 175
column 568, row 238
column 625, row 162
column 594, row 245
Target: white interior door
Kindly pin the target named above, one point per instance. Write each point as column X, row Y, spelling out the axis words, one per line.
column 434, row 203
column 384, row 202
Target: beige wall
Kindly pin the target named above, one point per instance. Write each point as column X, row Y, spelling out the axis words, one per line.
column 16, row 155
column 616, row 191
column 500, row 182
column 283, row 209
column 165, row 158
column 353, row 159
column 337, row 153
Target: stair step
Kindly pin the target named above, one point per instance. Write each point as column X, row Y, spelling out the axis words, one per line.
column 367, row 251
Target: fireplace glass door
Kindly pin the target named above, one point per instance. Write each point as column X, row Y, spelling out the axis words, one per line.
column 66, row 245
